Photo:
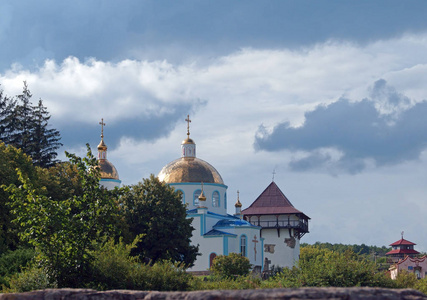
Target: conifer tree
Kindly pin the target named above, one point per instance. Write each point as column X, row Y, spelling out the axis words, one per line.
column 21, row 123
column 7, row 107
column 45, row 141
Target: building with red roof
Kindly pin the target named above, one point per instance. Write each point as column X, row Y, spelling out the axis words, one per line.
column 282, row 226
column 401, row 249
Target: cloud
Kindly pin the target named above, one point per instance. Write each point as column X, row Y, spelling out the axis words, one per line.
column 384, row 129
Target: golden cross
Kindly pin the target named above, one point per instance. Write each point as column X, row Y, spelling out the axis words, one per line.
column 238, row 194
column 188, row 125
column 102, row 127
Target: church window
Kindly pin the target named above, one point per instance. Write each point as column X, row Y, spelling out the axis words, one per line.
column 215, row 199
column 211, row 258
column 225, row 200
column 196, row 197
column 243, row 245
column 182, row 196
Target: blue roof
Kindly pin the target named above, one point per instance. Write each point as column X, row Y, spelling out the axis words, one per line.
column 233, row 223
column 218, row 232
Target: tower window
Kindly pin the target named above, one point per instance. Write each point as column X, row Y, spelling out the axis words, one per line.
column 215, row 199
column 243, row 245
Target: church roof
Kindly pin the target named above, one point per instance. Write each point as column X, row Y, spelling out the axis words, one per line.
column 215, row 232
column 272, row 201
column 402, row 241
column 402, row 251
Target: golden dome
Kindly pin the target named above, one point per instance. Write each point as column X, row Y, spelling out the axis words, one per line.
column 102, row 145
column 107, row 170
column 188, row 141
column 189, row 169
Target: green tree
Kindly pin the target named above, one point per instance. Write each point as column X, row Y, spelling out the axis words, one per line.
column 231, row 266
column 64, row 232
column 10, row 160
column 7, row 106
column 154, row 210
column 45, row 141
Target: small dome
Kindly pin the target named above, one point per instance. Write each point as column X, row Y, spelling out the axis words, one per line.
column 107, row 170
column 188, row 141
column 187, row 169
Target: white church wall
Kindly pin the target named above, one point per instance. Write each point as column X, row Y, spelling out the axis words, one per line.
column 282, row 251
column 209, row 189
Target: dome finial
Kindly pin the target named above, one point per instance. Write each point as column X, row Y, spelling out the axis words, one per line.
column 102, row 128
column 202, row 196
column 238, row 204
column 102, row 148
column 188, row 125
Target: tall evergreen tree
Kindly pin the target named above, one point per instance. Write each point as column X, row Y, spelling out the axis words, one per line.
column 7, row 107
column 45, row 141
column 26, row 127
column 22, row 124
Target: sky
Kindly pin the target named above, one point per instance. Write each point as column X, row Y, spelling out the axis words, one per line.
column 328, row 97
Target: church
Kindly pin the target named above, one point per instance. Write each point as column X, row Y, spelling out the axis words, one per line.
column 268, row 232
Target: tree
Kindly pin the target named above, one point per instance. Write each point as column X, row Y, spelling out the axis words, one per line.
column 231, row 266
column 154, row 210
column 27, row 127
column 7, row 107
column 10, row 160
column 22, row 123
column 64, row 232
column 44, row 141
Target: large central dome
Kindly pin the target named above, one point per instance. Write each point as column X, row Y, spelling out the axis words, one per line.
column 189, row 169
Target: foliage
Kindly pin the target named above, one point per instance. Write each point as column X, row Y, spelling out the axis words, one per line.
column 219, row 283
column 26, row 127
column 405, row 279
column 31, row 279
column 13, row 262
column 113, row 265
column 323, row 267
column 230, row 266
column 10, row 160
column 114, row 268
column 45, row 141
column 358, row 249
column 63, row 231
column 154, row 210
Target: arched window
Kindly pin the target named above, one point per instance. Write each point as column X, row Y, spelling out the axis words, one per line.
column 215, row 199
column 225, row 200
column 196, row 197
column 182, row 196
column 211, row 258
column 243, row 245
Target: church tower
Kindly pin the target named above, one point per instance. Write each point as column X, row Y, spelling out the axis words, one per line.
column 109, row 175
column 282, row 226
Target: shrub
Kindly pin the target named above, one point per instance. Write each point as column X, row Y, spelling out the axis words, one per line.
column 231, row 266
column 114, row 268
column 14, row 262
column 30, row 279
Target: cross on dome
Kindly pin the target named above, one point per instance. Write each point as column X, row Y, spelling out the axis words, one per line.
column 188, row 125
column 102, row 127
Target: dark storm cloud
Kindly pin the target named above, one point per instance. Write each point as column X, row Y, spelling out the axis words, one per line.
column 358, row 130
column 144, row 128
column 113, row 30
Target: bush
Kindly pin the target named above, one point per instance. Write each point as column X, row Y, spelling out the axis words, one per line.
column 323, row 267
column 231, row 266
column 29, row 280
column 14, row 262
column 114, row 268
column 219, row 283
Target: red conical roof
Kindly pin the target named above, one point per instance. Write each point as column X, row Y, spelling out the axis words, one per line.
column 402, row 242
column 272, row 202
